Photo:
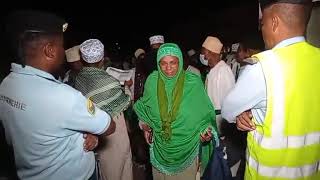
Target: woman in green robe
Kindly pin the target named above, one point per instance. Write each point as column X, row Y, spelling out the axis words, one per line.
column 177, row 117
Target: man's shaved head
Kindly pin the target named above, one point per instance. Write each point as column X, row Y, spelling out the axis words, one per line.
column 282, row 21
column 293, row 15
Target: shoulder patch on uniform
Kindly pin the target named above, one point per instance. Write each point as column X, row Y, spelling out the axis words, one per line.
column 91, row 107
column 251, row 60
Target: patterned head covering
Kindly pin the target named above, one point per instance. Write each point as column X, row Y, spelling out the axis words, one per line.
column 169, row 49
column 157, row 39
column 73, row 54
column 92, row 50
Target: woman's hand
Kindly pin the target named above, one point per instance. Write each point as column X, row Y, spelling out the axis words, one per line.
column 144, row 126
column 148, row 136
column 147, row 132
column 207, row 136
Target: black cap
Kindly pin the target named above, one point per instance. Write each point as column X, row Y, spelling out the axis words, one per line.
column 266, row 3
column 34, row 21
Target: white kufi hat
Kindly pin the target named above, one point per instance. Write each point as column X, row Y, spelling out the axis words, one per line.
column 73, row 54
column 156, row 39
column 213, row 44
column 92, row 50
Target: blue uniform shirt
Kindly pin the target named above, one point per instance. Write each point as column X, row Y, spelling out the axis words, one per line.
column 44, row 121
column 250, row 91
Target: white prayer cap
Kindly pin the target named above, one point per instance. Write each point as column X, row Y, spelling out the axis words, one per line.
column 139, row 52
column 191, row 52
column 235, row 47
column 213, row 44
column 73, row 54
column 92, row 50
column 156, row 39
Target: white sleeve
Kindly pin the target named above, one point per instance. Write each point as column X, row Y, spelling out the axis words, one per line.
column 249, row 91
column 226, row 83
column 85, row 116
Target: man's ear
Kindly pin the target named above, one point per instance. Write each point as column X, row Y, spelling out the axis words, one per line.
column 49, row 50
column 275, row 23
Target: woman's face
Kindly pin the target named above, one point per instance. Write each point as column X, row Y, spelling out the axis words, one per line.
column 169, row 65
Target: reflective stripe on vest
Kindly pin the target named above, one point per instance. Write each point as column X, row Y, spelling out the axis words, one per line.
column 284, row 172
column 287, row 141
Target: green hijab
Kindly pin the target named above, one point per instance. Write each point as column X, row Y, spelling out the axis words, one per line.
column 170, row 90
column 178, row 110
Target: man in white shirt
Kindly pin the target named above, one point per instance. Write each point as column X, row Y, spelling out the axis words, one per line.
column 220, row 80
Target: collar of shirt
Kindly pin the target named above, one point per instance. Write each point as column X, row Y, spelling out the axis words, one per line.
column 17, row 68
column 216, row 67
column 219, row 64
column 290, row 41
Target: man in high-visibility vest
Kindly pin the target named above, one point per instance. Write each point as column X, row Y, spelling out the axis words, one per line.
column 277, row 99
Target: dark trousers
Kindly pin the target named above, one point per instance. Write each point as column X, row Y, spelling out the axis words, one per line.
column 94, row 175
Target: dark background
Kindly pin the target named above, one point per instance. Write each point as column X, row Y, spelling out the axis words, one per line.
column 124, row 26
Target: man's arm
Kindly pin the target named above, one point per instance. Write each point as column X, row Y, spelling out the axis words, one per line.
column 248, row 92
column 86, row 117
column 91, row 140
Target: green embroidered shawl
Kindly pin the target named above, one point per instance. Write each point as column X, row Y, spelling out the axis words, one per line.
column 177, row 128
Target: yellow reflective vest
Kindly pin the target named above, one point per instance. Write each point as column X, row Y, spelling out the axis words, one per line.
column 287, row 145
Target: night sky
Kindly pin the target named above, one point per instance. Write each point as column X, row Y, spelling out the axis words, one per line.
column 127, row 25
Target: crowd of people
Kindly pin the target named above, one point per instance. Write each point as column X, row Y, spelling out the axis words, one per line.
column 261, row 106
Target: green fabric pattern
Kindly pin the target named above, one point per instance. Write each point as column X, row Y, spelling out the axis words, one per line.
column 176, row 140
column 104, row 90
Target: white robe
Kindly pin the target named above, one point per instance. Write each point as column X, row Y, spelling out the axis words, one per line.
column 220, row 81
